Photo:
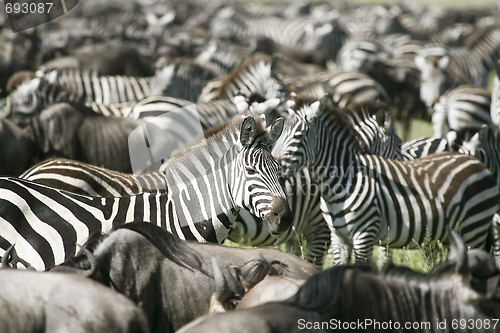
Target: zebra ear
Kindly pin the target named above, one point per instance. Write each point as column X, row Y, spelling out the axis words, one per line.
column 317, row 108
column 383, row 119
column 247, row 130
column 444, row 62
column 275, row 131
column 482, row 135
column 420, row 62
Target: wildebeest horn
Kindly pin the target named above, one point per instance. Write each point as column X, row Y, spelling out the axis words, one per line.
column 222, row 291
column 85, row 273
column 6, row 256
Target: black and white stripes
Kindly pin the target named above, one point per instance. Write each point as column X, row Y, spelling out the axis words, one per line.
column 375, row 199
column 205, row 187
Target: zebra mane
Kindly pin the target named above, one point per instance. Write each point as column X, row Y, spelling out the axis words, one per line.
column 228, row 132
column 478, row 37
column 19, row 78
column 343, row 117
column 215, row 88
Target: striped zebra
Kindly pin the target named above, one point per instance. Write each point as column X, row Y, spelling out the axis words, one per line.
column 495, row 98
column 362, row 55
column 255, row 75
column 221, row 61
column 436, row 78
column 375, row 199
column 422, row 147
column 462, row 107
column 184, row 79
column 346, row 88
column 484, row 144
column 375, row 130
column 35, row 93
column 210, row 114
column 87, row 179
column 102, row 89
column 205, row 189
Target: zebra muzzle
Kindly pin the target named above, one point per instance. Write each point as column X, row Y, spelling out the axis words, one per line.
column 280, row 217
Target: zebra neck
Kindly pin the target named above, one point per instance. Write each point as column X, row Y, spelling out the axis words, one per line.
column 336, row 166
column 198, row 186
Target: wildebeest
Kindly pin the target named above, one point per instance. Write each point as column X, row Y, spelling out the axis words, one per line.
column 17, row 152
column 358, row 299
column 131, row 260
column 35, row 302
column 272, row 287
column 75, row 132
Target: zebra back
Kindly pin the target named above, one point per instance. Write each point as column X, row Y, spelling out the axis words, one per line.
column 255, row 75
column 36, row 93
column 462, row 107
column 102, row 89
column 181, row 79
column 82, row 178
column 346, row 88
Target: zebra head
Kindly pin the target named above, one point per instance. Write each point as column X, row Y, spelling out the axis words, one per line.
column 434, row 79
column 317, row 130
column 296, row 147
column 38, row 92
column 259, row 190
column 25, row 98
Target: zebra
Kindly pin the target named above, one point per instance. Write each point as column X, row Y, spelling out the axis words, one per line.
column 87, row 179
column 374, row 199
column 361, row 55
column 375, row 129
column 436, row 78
column 219, row 59
column 484, row 144
column 255, row 75
column 210, row 114
column 205, row 188
column 35, row 93
column 102, row 89
column 462, row 107
column 421, row 147
column 346, row 88
column 495, row 98
column 182, row 78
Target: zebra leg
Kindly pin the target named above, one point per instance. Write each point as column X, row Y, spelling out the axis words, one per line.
column 363, row 242
column 317, row 243
column 384, row 255
column 339, row 248
column 496, row 240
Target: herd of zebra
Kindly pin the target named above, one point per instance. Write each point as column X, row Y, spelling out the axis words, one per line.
column 266, row 124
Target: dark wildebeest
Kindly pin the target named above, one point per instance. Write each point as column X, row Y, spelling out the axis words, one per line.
column 172, row 293
column 452, row 298
column 273, row 287
column 76, row 132
column 17, row 151
column 35, row 302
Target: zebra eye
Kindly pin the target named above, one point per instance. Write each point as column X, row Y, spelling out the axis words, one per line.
column 251, row 171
